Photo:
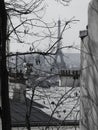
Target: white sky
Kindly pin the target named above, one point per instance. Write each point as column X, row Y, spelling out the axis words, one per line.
column 77, row 8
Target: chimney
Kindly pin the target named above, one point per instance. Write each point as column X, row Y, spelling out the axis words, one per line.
column 19, row 92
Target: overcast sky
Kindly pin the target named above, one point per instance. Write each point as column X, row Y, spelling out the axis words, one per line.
column 78, row 9
column 55, row 11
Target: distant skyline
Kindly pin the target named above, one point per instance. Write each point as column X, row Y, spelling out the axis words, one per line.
column 55, row 11
column 77, row 9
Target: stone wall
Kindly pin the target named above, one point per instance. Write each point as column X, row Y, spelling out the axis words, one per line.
column 89, row 75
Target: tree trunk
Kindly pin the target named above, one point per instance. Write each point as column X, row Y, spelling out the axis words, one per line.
column 5, row 107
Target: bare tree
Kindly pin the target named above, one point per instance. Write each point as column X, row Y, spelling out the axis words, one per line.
column 5, row 109
column 24, row 22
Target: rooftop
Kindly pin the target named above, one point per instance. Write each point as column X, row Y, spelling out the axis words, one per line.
column 37, row 117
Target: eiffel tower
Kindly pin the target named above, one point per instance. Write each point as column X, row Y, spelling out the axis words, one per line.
column 59, row 62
